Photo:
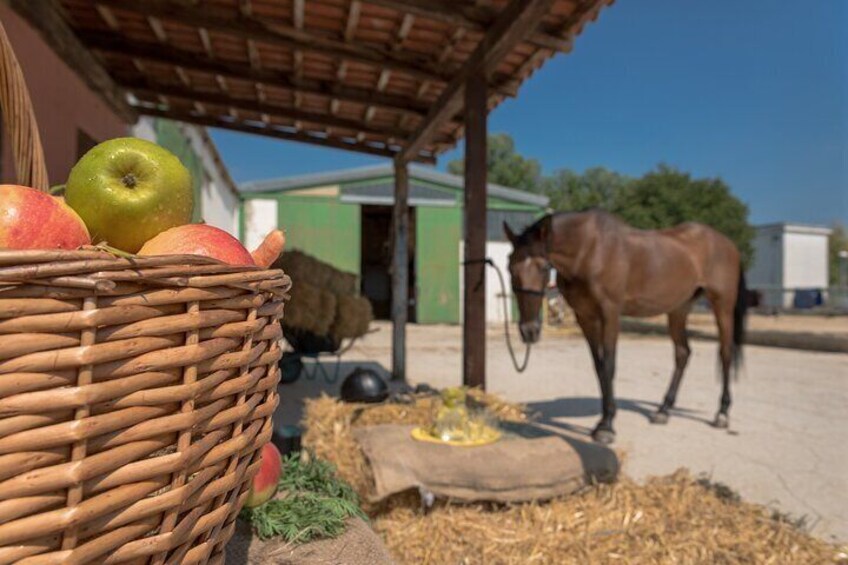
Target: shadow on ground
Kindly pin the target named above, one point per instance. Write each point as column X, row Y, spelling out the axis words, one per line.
column 553, row 413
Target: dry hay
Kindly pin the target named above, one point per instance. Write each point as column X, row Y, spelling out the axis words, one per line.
column 303, row 268
column 353, row 316
column 672, row 519
column 310, row 308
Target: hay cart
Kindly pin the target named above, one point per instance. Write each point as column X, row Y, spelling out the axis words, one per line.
column 324, row 319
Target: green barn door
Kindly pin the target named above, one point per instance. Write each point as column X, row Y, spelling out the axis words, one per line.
column 437, row 253
column 323, row 228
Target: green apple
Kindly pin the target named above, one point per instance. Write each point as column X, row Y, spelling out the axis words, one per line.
column 128, row 190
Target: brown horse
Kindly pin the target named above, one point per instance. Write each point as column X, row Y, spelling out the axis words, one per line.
column 606, row 269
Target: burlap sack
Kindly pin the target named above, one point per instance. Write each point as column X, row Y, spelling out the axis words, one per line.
column 359, row 545
column 528, row 463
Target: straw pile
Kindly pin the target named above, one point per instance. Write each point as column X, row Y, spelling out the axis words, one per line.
column 673, row 519
column 353, row 316
column 310, row 308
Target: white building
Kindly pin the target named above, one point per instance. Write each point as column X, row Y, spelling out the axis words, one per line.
column 788, row 258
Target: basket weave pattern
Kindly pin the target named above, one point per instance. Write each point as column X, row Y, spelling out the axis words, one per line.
column 135, row 396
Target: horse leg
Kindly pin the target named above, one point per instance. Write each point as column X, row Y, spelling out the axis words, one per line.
column 723, row 311
column 677, row 331
column 603, row 432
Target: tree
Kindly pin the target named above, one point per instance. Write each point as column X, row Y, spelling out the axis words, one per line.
column 505, row 166
column 595, row 188
column 838, row 241
column 666, row 197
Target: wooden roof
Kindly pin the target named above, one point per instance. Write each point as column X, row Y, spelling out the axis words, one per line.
column 384, row 77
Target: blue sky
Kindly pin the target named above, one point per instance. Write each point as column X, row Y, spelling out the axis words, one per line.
column 755, row 92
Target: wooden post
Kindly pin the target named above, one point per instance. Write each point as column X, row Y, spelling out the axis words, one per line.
column 474, row 328
column 400, row 269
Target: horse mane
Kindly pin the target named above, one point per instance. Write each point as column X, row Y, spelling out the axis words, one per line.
column 531, row 232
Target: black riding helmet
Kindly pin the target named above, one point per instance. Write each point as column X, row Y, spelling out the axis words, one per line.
column 364, row 385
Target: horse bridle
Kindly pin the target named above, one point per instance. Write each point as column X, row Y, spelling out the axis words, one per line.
column 533, row 292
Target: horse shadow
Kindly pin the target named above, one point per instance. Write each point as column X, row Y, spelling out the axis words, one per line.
column 552, row 412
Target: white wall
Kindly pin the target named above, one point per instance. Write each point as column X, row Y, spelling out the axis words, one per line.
column 786, row 258
column 260, row 217
column 805, row 262
column 499, row 252
column 218, row 201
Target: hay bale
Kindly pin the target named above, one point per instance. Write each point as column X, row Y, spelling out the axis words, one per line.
column 344, row 284
column 353, row 316
column 310, row 308
column 672, row 519
column 305, row 268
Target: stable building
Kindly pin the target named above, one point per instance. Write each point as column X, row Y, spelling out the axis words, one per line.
column 344, row 218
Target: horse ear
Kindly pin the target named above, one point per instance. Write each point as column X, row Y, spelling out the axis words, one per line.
column 544, row 230
column 510, row 235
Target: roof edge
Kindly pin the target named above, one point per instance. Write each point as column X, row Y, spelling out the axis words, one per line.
column 420, row 172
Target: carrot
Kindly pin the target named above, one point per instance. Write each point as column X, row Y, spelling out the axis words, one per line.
column 269, row 249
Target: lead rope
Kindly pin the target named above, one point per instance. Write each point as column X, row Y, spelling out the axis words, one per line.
column 523, row 365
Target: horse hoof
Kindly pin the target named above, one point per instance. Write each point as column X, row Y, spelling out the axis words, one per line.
column 605, row 437
column 722, row 421
column 659, row 417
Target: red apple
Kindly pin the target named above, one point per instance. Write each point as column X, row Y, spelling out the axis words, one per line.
column 31, row 219
column 264, row 485
column 269, row 249
column 198, row 239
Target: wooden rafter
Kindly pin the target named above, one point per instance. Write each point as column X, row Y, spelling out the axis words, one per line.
column 192, row 95
column 340, row 73
column 268, row 130
column 511, row 27
column 201, row 63
column 471, row 17
column 245, row 27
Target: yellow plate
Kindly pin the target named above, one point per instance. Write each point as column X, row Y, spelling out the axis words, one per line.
column 491, row 436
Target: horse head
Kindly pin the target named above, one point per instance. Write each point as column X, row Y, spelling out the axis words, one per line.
column 529, row 271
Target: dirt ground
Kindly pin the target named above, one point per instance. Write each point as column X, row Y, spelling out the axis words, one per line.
column 786, row 446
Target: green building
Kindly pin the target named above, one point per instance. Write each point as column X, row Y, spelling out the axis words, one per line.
column 344, row 218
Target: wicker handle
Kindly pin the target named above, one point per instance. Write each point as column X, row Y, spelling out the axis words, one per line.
column 19, row 118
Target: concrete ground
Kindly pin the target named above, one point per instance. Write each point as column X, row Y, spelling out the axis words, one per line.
column 786, row 446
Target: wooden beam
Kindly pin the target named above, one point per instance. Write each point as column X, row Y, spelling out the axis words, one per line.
column 471, row 17
column 247, row 27
column 511, row 27
column 400, row 269
column 45, row 17
column 474, row 307
column 192, row 61
column 268, row 130
column 191, row 95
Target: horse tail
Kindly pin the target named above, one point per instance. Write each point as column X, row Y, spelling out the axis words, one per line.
column 740, row 311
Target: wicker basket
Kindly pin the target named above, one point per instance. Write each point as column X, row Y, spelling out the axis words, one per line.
column 135, row 395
